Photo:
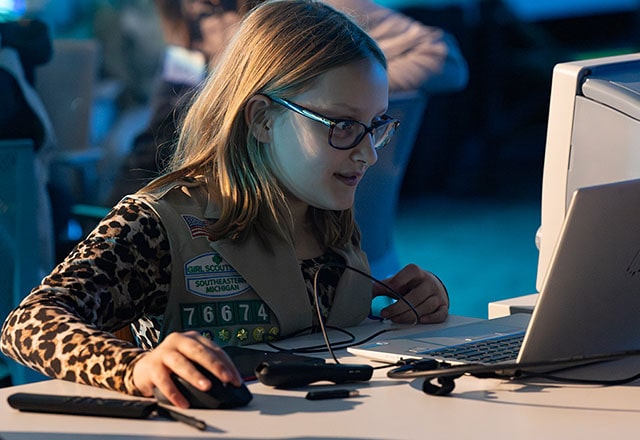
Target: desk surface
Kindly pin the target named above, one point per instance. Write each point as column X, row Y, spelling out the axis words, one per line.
column 385, row 409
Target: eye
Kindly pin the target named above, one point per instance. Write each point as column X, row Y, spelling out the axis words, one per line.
column 380, row 120
column 346, row 129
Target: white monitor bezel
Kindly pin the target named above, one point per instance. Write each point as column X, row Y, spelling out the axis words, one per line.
column 566, row 81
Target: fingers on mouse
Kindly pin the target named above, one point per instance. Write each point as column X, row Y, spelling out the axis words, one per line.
column 219, row 396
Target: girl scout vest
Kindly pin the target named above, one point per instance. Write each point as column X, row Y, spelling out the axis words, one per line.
column 239, row 293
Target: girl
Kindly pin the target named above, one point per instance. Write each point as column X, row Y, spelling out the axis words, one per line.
column 224, row 247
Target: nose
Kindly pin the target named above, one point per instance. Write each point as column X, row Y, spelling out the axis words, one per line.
column 365, row 152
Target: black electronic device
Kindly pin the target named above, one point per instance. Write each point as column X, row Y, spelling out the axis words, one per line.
column 87, row 406
column 219, row 396
column 98, row 407
column 298, row 374
column 247, row 359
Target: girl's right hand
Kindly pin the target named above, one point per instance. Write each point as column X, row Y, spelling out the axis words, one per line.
column 177, row 354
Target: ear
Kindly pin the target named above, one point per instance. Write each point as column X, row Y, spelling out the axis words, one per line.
column 255, row 115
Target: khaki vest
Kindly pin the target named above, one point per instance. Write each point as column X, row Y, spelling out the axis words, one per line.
column 235, row 293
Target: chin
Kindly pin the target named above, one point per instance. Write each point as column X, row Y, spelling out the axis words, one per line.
column 334, row 205
column 342, row 206
column 337, row 203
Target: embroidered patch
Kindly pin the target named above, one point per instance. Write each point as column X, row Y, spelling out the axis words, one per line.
column 242, row 334
column 210, row 276
column 197, row 226
column 224, row 336
column 212, row 314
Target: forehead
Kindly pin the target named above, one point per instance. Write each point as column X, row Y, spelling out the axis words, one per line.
column 361, row 85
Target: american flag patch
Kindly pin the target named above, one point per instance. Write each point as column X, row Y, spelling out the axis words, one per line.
column 197, row 227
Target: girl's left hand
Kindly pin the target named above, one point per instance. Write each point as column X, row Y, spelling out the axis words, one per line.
column 419, row 287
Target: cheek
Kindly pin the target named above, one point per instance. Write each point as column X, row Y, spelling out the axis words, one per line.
column 298, row 149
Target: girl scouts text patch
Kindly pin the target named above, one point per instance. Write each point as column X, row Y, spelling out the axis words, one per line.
column 210, row 276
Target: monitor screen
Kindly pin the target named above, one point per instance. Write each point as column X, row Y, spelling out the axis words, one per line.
column 12, row 9
column 593, row 137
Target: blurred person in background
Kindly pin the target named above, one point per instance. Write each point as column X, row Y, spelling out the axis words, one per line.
column 419, row 57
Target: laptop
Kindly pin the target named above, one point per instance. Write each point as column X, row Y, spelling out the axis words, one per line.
column 588, row 305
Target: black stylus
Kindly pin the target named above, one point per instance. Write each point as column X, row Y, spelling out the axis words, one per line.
column 168, row 413
column 332, row 394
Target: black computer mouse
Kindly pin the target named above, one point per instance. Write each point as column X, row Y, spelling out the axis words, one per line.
column 219, row 396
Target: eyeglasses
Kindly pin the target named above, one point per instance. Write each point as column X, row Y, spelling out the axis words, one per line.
column 345, row 134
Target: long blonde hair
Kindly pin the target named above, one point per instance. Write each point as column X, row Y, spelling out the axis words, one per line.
column 280, row 48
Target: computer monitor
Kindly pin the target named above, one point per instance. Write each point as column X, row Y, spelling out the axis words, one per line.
column 593, row 137
column 12, row 9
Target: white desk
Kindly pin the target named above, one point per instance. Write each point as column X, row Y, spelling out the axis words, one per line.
column 518, row 304
column 386, row 409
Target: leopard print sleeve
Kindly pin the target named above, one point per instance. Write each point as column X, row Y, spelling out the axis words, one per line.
column 120, row 272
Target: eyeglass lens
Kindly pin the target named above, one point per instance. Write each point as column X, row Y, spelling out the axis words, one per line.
column 346, row 134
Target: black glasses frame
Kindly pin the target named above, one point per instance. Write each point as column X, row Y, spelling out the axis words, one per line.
column 332, row 123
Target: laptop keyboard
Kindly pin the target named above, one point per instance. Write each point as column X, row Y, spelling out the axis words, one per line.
column 487, row 351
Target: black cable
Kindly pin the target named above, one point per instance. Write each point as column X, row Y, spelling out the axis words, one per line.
column 328, row 346
column 445, row 374
column 386, row 286
column 446, row 383
column 314, row 348
column 316, row 301
column 603, row 382
column 320, row 348
column 319, row 312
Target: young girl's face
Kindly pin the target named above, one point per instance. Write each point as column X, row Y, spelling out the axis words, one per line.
column 312, row 171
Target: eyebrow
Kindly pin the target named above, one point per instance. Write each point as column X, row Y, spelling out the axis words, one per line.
column 350, row 109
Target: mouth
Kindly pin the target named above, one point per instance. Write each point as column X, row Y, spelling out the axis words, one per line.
column 350, row 179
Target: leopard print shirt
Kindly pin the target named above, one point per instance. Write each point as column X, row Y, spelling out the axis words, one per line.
column 120, row 274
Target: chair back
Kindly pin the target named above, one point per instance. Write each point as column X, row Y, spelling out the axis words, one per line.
column 69, row 100
column 66, row 86
column 378, row 192
column 20, row 270
column 18, row 228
